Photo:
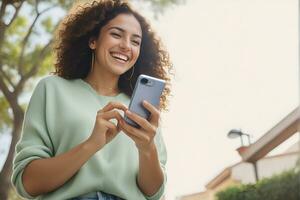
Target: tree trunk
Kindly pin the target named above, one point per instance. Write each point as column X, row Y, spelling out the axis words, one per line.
column 5, row 174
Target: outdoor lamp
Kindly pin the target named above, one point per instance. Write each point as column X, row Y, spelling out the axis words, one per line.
column 234, row 133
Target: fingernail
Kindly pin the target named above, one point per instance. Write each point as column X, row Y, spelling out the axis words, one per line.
column 128, row 112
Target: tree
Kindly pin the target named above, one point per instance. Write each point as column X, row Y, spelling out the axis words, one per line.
column 280, row 186
column 24, row 56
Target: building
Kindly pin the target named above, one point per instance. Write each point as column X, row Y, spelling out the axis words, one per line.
column 254, row 163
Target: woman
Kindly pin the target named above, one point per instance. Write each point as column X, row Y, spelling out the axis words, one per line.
column 75, row 142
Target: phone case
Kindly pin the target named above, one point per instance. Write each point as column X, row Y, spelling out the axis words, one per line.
column 150, row 91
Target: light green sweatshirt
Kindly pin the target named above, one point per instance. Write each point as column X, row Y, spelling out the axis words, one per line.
column 61, row 114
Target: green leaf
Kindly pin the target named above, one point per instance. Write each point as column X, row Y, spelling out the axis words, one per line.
column 283, row 186
column 6, row 116
column 47, row 24
column 18, row 27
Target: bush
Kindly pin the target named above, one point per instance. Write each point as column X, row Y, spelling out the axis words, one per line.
column 285, row 186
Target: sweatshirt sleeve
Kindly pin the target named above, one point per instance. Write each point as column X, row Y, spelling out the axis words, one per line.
column 35, row 142
column 162, row 154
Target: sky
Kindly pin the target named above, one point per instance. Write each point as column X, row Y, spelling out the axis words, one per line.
column 236, row 66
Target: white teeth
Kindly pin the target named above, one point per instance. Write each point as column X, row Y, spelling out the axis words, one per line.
column 120, row 56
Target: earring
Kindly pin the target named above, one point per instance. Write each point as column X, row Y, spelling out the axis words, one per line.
column 93, row 61
column 130, row 78
column 131, row 73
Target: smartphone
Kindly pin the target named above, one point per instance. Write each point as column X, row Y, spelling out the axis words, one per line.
column 146, row 88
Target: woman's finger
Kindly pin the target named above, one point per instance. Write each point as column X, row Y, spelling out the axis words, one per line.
column 134, row 138
column 145, row 124
column 110, row 115
column 155, row 114
column 113, row 105
column 134, row 131
column 111, row 126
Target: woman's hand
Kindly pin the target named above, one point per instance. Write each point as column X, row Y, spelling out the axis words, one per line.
column 143, row 136
column 104, row 130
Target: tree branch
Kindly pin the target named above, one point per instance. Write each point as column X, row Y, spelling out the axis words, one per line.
column 2, row 9
column 7, row 78
column 17, row 9
column 2, row 24
column 47, row 9
column 26, row 38
column 23, row 46
column 34, row 68
column 36, row 6
column 8, row 95
column 41, row 56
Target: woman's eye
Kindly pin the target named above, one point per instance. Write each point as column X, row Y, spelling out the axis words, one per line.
column 137, row 43
column 116, row 35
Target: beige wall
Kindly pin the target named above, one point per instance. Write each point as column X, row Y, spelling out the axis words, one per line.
column 197, row 196
column 270, row 166
column 244, row 173
column 266, row 167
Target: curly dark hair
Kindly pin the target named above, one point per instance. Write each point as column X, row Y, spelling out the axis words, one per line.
column 84, row 22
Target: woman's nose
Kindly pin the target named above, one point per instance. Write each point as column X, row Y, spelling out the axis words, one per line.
column 125, row 44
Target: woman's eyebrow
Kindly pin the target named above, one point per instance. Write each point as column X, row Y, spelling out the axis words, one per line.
column 122, row 30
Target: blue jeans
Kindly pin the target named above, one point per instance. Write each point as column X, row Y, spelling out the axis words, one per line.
column 97, row 196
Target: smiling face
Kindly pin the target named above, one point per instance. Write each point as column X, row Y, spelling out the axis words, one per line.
column 118, row 46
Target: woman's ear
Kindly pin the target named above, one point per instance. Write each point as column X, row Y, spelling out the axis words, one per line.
column 92, row 43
